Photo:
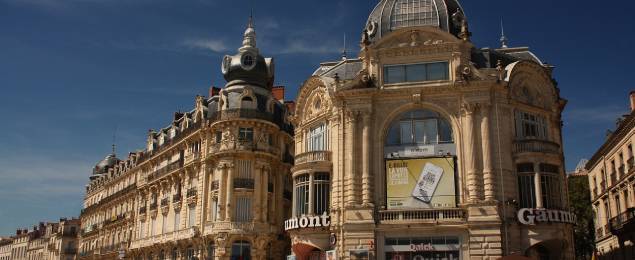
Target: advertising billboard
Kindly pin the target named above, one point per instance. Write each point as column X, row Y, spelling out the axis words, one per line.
column 421, row 183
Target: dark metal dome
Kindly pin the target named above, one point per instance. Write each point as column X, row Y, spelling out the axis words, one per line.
column 248, row 66
column 391, row 15
column 105, row 164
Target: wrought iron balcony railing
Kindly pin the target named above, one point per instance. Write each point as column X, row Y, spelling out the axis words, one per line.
column 243, row 183
column 536, row 146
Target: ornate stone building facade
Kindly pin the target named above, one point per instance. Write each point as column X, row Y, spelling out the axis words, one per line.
column 427, row 146
column 611, row 173
column 46, row 241
column 215, row 184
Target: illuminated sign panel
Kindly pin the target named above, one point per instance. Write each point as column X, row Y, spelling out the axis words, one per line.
column 421, row 183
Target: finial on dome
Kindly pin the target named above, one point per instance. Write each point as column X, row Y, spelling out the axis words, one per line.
column 249, row 37
column 503, row 39
column 344, row 55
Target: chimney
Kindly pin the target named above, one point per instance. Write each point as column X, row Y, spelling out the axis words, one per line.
column 632, row 97
column 213, row 91
column 278, row 92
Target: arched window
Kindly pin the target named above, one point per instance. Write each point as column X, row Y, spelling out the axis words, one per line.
column 419, row 127
column 247, row 103
column 241, row 250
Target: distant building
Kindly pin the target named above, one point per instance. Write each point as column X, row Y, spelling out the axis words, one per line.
column 46, row 241
column 611, row 173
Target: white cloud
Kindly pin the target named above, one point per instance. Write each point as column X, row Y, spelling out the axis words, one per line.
column 214, row 45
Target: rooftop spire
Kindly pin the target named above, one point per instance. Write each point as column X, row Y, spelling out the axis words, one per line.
column 503, row 39
column 249, row 37
column 114, row 140
column 344, row 55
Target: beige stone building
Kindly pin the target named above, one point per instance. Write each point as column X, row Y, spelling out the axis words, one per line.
column 427, row 147
column 214, row 184
column 611, row 173
column 46, row 241
column 5, row 248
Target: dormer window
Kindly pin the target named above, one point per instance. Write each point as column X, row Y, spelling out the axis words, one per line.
column 419, row 72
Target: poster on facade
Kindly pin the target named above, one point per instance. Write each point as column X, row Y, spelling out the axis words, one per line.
column 421, row 183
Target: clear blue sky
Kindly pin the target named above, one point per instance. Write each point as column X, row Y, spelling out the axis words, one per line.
column 72, row 70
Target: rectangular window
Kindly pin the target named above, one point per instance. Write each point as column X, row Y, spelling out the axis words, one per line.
column 321, row 188
column 219, row 137
column 526, row 185
column 243, row 210
column 153, row 223
column 244, row 170
column 177, row 220
column 416, row 72
column 142, row 229
column 164, row 224
column 316, row 140
column 550, row 185
column 191, row 216
column 214, row 209
column 530, row 126
column 245, row 134
column 301, row 195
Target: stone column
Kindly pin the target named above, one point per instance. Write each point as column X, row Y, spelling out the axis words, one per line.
column 538, row 187
column 257, row 193
column 265, row 194
column 230, row 192
column 349, row 186
column 470, row 152
column 366, row 150
column 488, row 169
column 221, row 195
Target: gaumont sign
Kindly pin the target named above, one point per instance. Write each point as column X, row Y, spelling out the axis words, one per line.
column 308, row 222
column 532, row 216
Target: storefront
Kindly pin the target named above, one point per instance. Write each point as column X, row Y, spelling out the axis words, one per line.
column 423, row 248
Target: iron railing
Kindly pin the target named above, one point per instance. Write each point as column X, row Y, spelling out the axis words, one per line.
column 536, row 146
column 243, row 183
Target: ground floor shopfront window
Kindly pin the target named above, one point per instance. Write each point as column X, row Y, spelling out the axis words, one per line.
column 423, row 248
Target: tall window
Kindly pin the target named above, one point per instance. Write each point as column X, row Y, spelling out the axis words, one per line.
column 416, row 72
column 245, row 134
column 316, row 140
column 177, row 220
column 419, row 127
column 530, row 126
column 211, row 251
column 164, row 223
column 241, row 250
column 142, row 229
column 214, row 209
column 321, row 188
column 191, row 215
column 243, row 209
column 301, row 195
column 618, row 207
column 153, row 223
column 550, row 184
column 526, row 185
column 189, row 253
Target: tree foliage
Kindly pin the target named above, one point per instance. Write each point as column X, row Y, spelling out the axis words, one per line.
column 580, row 201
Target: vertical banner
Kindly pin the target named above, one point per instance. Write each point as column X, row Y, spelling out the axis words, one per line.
column 421, row 183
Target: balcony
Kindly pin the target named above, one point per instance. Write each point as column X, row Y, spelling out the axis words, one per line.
column 168, row 143
column 176, row 198
column 191, row 192
column 184, row 234
column 313, row 157
column 243, row 183
column 536, row 146
column 70, row 251
column 422, row 216
column 190, row 157
column 623, row 223
column 165, row 170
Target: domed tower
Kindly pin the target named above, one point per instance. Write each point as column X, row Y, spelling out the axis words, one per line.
column 251, row 147
column 103, row 166
column 391, row 15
